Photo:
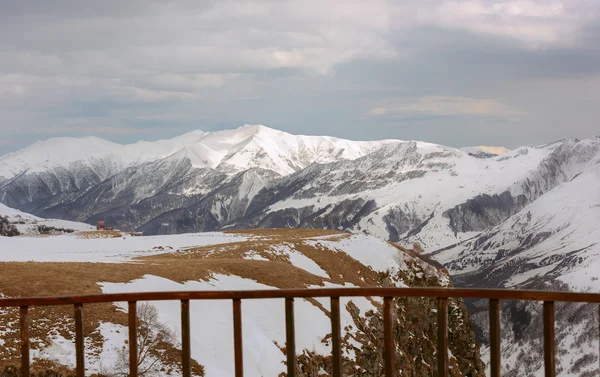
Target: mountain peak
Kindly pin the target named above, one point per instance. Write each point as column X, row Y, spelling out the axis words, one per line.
column 250, row 130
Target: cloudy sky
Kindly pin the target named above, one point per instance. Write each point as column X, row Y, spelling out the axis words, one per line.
column 453, row 72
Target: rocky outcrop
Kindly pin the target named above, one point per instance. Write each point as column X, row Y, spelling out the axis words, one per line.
column 484, row 211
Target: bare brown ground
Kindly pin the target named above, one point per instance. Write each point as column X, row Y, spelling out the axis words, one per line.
column 286, row 232
column 192, row 264
column 92, row 234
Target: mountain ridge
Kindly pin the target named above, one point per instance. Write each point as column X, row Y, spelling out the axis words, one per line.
column 204, row 149
column 402, row 183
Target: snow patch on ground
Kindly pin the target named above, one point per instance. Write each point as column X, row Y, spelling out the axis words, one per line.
column 71, row 248
column 60, row 350
column 366, row 249
column 212, row 328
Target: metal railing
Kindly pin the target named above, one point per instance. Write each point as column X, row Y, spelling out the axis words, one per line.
column 441, row 294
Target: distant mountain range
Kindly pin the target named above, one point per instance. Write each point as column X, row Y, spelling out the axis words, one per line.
column 254, row 176
column 524, row 218
column 159, row 187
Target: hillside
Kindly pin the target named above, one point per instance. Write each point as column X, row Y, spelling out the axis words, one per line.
column 96, row 262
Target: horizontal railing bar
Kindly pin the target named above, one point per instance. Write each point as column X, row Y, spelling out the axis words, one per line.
column 499, row 294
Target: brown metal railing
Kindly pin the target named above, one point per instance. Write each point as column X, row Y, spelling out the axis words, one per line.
column 441, row 294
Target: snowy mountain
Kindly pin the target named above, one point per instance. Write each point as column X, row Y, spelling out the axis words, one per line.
column 259, row 177
column 93, row 262
column 419, row 192
column 227, row 151
column 81, row 178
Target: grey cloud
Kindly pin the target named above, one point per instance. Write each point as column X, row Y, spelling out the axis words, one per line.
column 172, row 66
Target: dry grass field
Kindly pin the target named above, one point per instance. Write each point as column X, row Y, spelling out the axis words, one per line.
column 27, row 279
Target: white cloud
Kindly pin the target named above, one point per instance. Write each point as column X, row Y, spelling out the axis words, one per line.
column 446, row 105
column 378, row 111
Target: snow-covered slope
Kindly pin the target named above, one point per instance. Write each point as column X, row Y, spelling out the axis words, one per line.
column 554, row 235
column 264, row 259
column 552, row 243
column 29, row 224
column 419, row 192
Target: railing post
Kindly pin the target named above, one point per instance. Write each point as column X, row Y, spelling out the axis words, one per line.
column 237, row 337
column 549, row 344
column 336, row 348
column 290, row 337
column 388, row 329
column 24, row 319
column 79, row 344
column 133, row 346
column 494, row 338
column 442, row 346
column 185, row 338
